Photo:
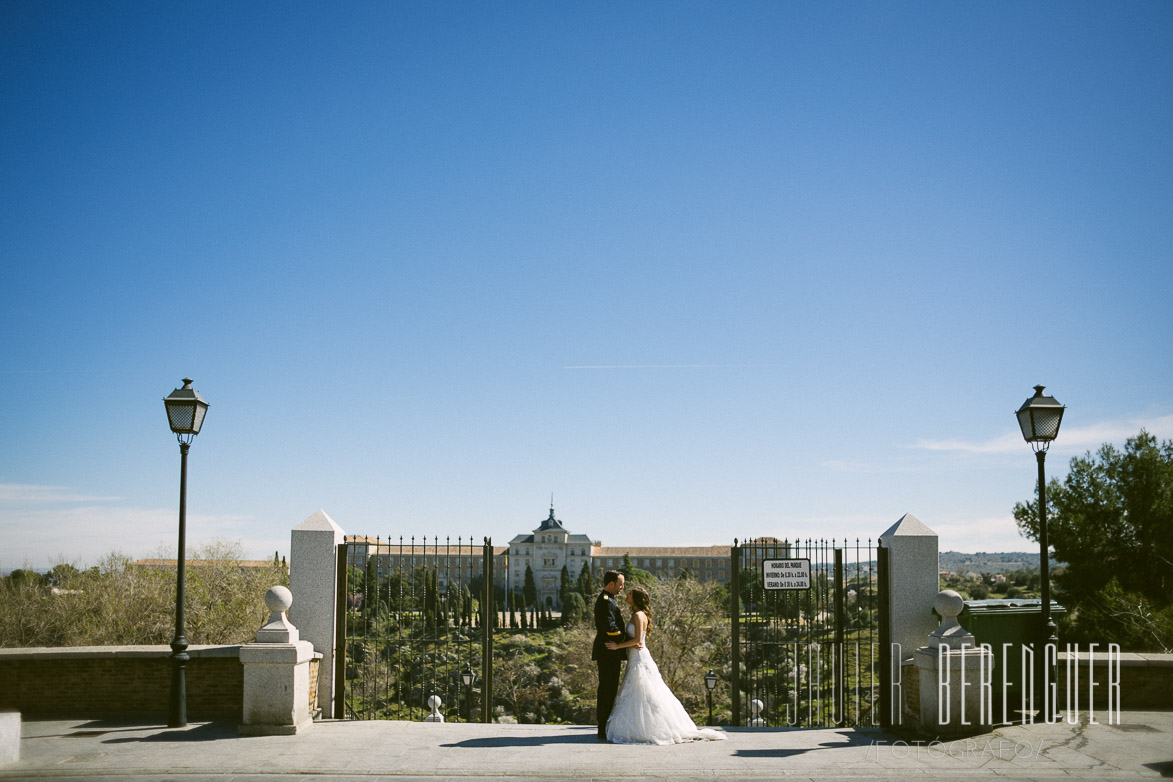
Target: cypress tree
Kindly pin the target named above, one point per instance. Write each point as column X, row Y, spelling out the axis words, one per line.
column 586, row 583
column 563, row 587
column 529, row 596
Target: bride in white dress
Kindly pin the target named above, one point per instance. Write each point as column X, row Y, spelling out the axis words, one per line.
column 646, row 711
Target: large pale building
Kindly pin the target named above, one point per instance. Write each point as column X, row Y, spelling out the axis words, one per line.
column 545, row 551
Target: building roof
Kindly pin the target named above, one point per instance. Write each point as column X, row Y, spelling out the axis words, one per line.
column 662, row 551
column 571, row 540
column 550, row 522
column 422, row 550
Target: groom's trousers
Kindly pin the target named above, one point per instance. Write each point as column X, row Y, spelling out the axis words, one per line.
column 608, row 686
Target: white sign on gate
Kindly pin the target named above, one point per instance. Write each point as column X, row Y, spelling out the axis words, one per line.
column 786, row 573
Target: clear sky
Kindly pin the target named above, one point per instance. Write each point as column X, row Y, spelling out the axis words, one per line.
column 699, row 270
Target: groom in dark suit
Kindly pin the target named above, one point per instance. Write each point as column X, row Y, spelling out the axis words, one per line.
column 609, row 626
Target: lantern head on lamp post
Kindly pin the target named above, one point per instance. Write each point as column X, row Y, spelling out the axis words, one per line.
column 1039, row 418
column 467, row 675
column 710, row 685
column 185, row 414
column 185, row 411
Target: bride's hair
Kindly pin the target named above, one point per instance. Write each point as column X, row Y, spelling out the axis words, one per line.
column 641, row 602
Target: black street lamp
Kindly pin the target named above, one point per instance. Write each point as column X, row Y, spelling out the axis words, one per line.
column 1039, row 418
column 185, row 413
column 710, row 684
column 467, row 676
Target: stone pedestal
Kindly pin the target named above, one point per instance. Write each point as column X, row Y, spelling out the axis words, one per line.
column 277, row 674
column 276, row 688
column 950, row 672
column 9, row 736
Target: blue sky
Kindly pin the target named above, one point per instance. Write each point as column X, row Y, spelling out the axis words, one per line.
column 699, row 270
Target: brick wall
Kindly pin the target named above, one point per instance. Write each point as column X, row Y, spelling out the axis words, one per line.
column 101, row 681
column 314, row 684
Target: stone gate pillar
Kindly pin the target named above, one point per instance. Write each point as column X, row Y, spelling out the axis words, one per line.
column 313, row 580
column 913, row 583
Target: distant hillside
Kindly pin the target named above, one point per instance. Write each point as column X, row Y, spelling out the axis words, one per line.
column 982, row 562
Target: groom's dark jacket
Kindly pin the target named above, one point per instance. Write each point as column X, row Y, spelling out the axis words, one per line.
column 608, row 627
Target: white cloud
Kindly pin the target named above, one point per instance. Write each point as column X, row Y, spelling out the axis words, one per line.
column 868, row 468
column 32, row 494
column 652, row 366
column 41, row 525
column 992, row 533
column 988, row 533
column 838, row 465
column 1071, row 440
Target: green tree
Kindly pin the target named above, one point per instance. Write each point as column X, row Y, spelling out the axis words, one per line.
column 574, row 609
column 529, row 591
column 1111, row 521
column 635, row 575
column 586, row 584
column 21, row 578
column 122, row 603
column 564, row 587
column 476, row 585
column 62, row 574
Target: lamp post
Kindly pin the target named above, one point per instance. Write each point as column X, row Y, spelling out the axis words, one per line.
column 1039, row 418
column 185, row 413
column 467, row 676
column 710, row 685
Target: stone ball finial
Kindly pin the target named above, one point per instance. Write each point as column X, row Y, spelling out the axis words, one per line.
column 948, row 604
column 434, row 703
column 278, row 599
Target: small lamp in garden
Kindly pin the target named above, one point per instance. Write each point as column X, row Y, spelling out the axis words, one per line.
column 710, row 685
column 468, row 676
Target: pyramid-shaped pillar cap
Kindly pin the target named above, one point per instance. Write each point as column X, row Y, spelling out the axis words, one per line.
column 907, row 526
column 319, row 521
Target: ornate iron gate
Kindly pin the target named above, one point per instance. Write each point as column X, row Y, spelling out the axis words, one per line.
column 416, row 620
column 806, row 656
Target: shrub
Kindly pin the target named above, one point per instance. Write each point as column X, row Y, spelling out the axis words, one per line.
column 120, row 603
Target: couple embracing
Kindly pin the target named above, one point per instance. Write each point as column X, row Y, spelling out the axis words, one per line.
column 643, row 710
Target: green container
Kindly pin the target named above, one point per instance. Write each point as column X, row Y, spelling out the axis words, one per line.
column 1011, row 621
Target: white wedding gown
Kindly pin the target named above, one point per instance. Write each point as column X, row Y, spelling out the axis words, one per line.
column 646, row 711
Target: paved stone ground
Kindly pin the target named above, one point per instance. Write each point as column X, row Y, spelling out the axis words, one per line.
column 1142, row 746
